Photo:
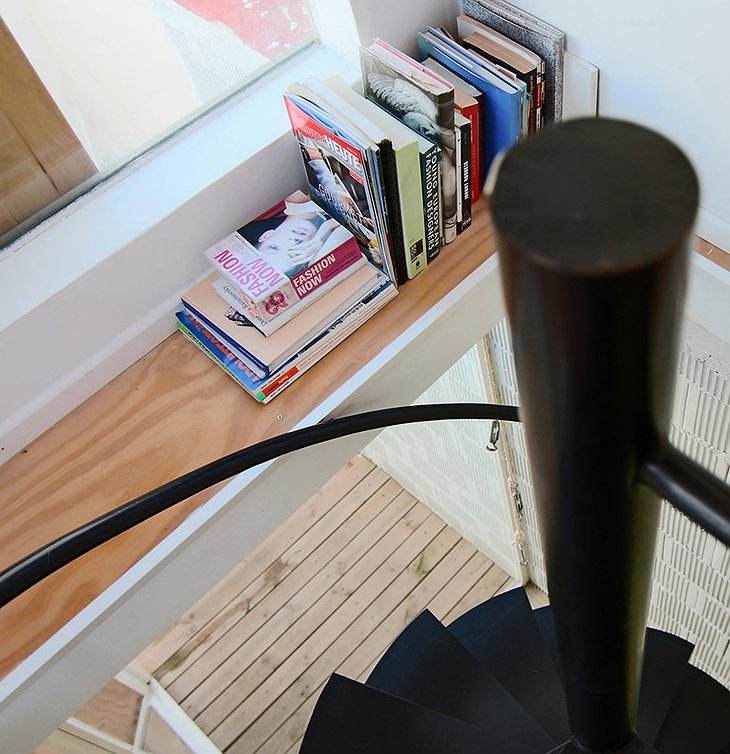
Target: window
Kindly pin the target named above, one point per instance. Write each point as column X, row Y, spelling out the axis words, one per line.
column 86, row 86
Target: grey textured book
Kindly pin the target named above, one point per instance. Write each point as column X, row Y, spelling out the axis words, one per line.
column 534, row 34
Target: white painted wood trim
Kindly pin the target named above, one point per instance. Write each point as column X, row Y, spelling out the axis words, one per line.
column 180, row 723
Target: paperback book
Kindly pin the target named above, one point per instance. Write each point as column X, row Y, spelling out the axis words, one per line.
column 292, row 252
column 421, row 100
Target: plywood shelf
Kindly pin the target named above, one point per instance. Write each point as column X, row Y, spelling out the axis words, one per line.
column 167, row 414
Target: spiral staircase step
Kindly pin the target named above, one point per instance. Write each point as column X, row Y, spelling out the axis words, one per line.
column 428, row 666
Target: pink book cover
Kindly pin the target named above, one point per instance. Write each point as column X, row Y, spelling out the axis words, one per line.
column 285, row 254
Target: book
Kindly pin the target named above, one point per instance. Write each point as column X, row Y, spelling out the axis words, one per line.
column 466, row 102
column 534, row 34
column 345, row 178
column 407, row 195
column 264, row 389
column 469, row 101
column 380, row 161
column 513, row 56
column 430, row 155
column 502, row 116
column 424, row 102
column 463, row 140
column 293, row 251
column 265, row 355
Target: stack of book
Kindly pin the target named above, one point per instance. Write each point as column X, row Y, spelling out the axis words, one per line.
column 401, row 164
column 286, row 288
column 392, row 174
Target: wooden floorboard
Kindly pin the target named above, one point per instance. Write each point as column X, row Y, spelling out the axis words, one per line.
column 329, row 591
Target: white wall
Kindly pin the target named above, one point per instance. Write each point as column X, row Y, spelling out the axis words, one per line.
column 663, row 63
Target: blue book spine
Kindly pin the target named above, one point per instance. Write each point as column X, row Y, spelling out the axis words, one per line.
column 501, row 114
column 225, row 339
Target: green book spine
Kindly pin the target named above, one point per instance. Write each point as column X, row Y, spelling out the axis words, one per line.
column 410, row 195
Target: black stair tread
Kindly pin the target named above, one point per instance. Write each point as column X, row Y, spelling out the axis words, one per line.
column 427, row 665
column 503, row 635
column 698, row 719
column 352, row 718
column 546, row 624
column 665, row 661
column 637, row 746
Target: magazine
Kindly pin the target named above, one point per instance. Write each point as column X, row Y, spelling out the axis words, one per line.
column 344, row 177
column 264, row 389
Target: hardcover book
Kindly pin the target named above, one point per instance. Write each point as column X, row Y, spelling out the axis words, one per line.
column 421, row 100
column 469, row 101
column 534, row 34
column 463, row 142
column 513, row 56
column 293, row 251
column 503, row 113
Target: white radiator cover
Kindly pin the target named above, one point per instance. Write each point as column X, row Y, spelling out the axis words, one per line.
column 447, row 466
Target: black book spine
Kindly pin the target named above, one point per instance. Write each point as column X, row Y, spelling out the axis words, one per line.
column 465, row 175
column 392, row 203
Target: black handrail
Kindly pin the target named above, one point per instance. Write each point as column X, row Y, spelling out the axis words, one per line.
column 28, row 571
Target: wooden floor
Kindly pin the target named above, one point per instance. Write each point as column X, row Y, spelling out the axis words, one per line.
column 329, row 591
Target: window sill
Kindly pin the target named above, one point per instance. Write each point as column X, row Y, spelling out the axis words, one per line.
column 71, row 243
column 93, row 288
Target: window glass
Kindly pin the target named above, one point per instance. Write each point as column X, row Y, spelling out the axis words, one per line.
column 85, row 86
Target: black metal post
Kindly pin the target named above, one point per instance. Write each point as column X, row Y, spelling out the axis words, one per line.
column 593, row 219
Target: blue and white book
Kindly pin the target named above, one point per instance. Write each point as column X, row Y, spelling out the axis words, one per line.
column 503, row 111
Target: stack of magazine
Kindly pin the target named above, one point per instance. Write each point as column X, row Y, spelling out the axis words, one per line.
column 285, row 289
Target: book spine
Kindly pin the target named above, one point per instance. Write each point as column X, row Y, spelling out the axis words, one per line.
column 471, row 112
column 410, row 198
column 375, row 187
column 459, row 168
column 224, row 352
column 256, row 365
column 541, row 95
column 483, row 125
column 264, row 390
column 531, row 81
column 356, row 317
column 466, row 157
column 431, row 200
column 393, row 208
